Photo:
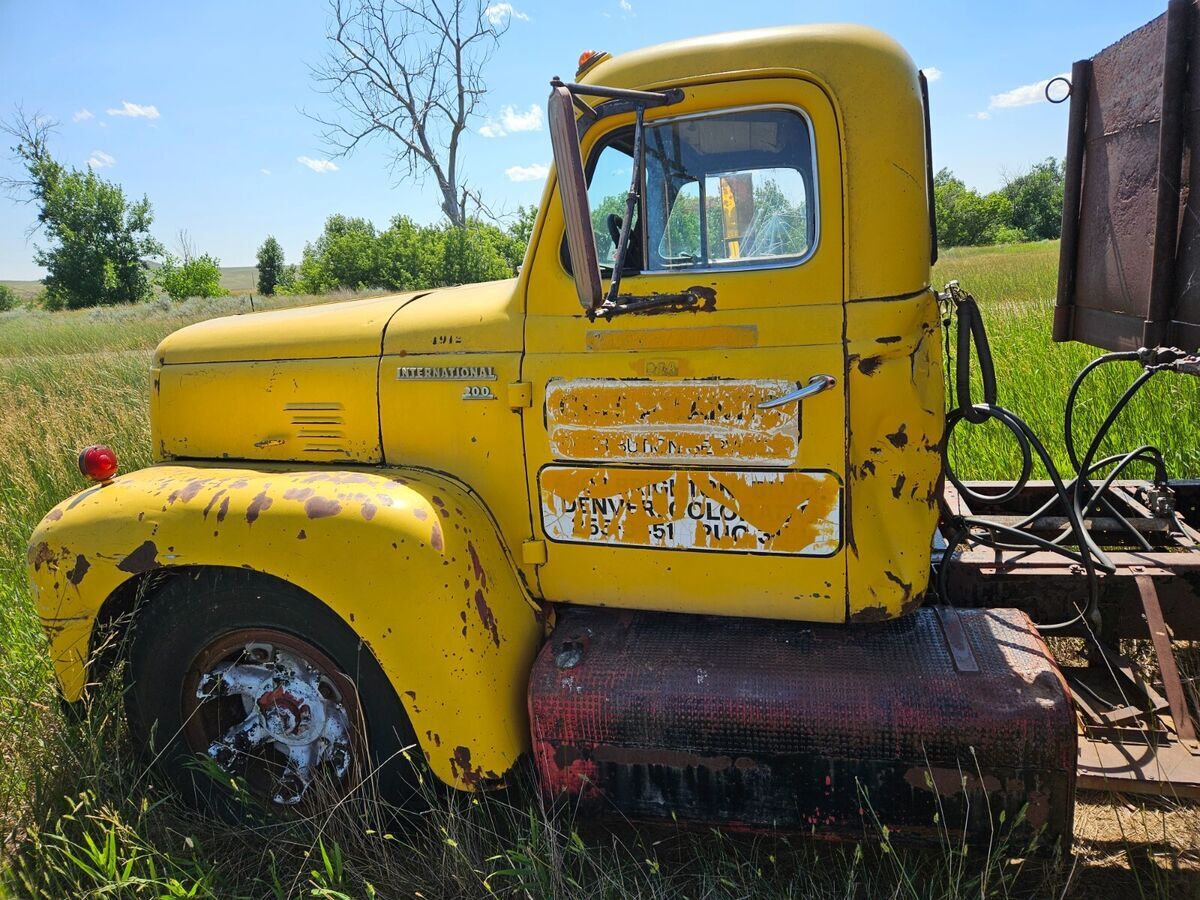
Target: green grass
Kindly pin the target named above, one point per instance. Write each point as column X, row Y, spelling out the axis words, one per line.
column 1015, row 286
column 235, row 279
column 80, row 816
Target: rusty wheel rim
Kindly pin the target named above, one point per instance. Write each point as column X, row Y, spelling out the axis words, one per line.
column 275, row 713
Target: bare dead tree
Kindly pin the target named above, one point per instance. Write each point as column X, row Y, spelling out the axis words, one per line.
column 410, row 71
column 30, row 133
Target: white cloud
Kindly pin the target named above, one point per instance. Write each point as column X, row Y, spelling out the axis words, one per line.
column 626, row 6
column 100, row 160
column 500, row 13
column 83, row 115
column 134, row 111
column 318, row 165
column 513, row 121
column 535, row 172
column 265, row 171
column 981, row 116
column 932, row 74
column 102, row 124
column 1025, row 95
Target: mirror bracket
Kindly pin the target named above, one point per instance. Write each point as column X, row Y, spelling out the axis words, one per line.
column 565, row 132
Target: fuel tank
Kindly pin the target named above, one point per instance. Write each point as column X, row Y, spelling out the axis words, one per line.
column 935, row 725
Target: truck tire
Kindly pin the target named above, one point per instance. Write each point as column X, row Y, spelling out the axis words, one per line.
column 252, row 696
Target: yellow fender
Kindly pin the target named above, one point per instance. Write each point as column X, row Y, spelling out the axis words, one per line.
column 410, row 560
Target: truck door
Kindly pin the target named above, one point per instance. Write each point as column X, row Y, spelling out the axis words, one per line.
column 693, row 459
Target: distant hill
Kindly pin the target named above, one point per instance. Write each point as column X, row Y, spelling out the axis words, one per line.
column 235, row 279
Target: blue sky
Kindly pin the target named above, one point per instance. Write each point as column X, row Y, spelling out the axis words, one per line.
column 198, row 104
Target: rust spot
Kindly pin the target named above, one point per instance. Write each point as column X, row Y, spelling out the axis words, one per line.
column 297, row 493
column 321, row 507
column 420, row 513
column 439, row 502
column 477, row 566
column 215, row 497
column 41, row 555
column 54, row 515
column 81, row 568
column 486, row 617
column 142, row 559
column 223, row 510
column 301, row 536
column 870, row 614
column 368, row 510
column 868, row 365
column 904, row 585
column 898, row 486
column 947, row 782
column 260, row 502
column 187, row 492
column 460, row 765
column 435, row 537
column 900, row 438
column 890, row 339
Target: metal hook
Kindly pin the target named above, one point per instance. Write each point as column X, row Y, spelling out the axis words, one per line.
column 1065, row 96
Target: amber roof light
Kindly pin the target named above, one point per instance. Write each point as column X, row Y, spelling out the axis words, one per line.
column 589, row 58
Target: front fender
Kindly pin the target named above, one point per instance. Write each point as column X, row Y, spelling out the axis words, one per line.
column 411, row 561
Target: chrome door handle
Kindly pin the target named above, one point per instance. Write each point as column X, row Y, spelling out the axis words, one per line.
column 815, row 385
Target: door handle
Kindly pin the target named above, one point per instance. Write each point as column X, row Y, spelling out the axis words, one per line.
column 815, row 385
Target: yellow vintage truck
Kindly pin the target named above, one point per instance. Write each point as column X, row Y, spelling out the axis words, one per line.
column 656, row 514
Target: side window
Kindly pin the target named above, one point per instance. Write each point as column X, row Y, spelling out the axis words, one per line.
column 729, row 189
column 608, row 186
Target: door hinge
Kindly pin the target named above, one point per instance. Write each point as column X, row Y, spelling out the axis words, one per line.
column 533, row 553
column 520, row 394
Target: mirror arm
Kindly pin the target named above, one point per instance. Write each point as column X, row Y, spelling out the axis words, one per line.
column 631, row 200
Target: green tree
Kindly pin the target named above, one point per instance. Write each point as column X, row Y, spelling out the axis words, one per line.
column 967, row 218
column 8, row 298
column 271, row 266
column 474, row 253
column 343, row 256
column 1037, row 199
column 97, row 239
column 192, row 276
column 409, row 255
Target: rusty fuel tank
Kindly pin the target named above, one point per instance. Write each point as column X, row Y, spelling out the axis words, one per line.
column 942, row 723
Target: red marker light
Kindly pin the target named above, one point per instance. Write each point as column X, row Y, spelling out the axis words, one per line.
column 98, row 463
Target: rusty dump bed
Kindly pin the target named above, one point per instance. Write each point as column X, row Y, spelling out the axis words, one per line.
column 941, row 720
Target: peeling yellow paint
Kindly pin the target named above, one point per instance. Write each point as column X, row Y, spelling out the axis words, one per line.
column 680, row 421
column 796, row 513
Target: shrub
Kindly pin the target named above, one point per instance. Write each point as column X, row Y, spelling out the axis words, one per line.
column 198, row 276
column 8, row 298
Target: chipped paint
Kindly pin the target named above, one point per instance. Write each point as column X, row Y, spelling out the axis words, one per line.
column 140, row 560
column 795, row 513
column 685, row 421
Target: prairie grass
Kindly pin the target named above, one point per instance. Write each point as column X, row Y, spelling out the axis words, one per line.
column 81, row 817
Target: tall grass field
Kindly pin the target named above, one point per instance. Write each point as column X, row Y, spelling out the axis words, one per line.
column 81, row 816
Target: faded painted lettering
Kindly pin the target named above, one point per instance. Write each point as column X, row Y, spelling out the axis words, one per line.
column 694, row 421
column 796, row 513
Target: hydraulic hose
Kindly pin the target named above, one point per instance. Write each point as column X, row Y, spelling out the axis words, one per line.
column 1077, row 497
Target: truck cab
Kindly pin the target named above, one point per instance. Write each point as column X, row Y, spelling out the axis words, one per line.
column 365, row 518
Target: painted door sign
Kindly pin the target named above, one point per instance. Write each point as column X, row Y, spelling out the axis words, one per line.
column 686, row 421
column 794, row 513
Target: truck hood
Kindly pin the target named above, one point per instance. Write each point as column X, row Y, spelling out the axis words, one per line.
column 472, row 317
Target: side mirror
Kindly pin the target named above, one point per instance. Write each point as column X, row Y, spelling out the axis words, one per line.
column 572, row 187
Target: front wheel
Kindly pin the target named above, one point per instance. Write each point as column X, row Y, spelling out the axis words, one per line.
column 237, row 680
